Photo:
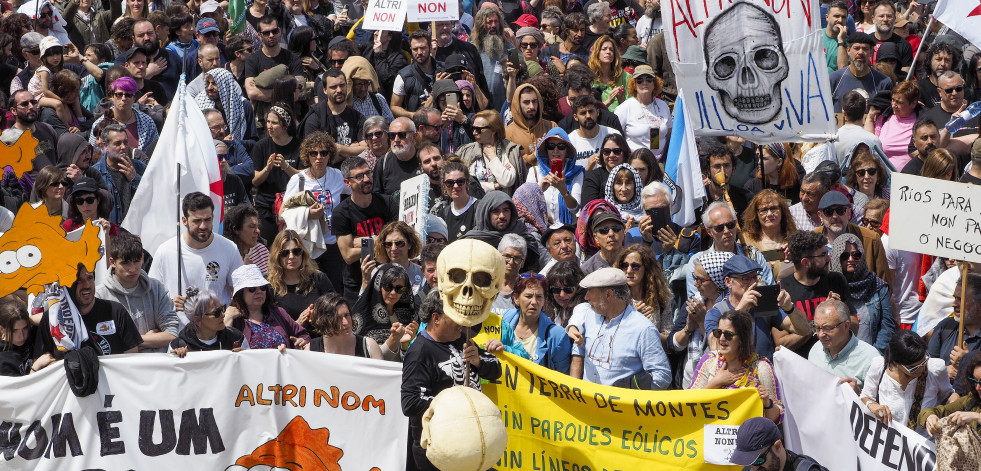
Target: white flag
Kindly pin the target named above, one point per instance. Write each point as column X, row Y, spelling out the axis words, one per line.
column 962, row 16
column 186, row 141
column 681, row 165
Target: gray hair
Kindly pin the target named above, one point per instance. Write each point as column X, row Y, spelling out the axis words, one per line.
column 513, row 241
column 707, row 221
column 196, row 305
column 596, row 10
column 109, row 129
column 839, row 307
column 621, row 292
column 375, row 122
column 949, row 75
column 404, row 120
column 431, row 304
column 210, row 111
column 820, row 177
column 654, row 189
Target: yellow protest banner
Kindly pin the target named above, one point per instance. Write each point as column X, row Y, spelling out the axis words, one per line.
column 556, row 422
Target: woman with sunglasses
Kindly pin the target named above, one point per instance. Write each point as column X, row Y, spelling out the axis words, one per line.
column 253, row 310
column 767, row 223
column 546, row 343
column 868, row 295
column 649, row 292
column 376, row 137
column 564, row 293
column 966, row 410
column 864, row 15
column 734, row 365
column 613, row 152
column 88, row 202
column 385, row 303
column 49, row 191
column 781, row 173
column 122, row 93
column 494, row 160
column 867, row 175
column 905, row 381
column 332, row 318
column 455, row 207
column 206, row 330
column 277, row 159
column 397, row 243
column 563, row 187
column 296, row 282
column 645, row 119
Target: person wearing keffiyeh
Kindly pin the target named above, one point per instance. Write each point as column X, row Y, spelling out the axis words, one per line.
column 223, row 93
column 623, row 188
column 868, row 295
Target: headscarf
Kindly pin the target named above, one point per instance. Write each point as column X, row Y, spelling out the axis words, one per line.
column 230, row 94
column 372, row 320
column 125, row 84
column 571, row 169
column 58, row 23
column 862, row 284
column 633, row 207
column 712, row 263
column 584, row 234
column 529, row 200
column 529, row 31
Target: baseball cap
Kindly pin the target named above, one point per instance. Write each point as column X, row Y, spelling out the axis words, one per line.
column 527, row 20
column 207, row 25
column 603, row 216
column 604, row 277
column 754, row 436
column 456, row 60
column 30, row 40
column 129, row 54
column 643, row 69
column 740, row 264
column 209, row 7
column 833, row 198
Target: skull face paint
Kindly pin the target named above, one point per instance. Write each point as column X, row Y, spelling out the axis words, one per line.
column 470, row 276
column 746, row 63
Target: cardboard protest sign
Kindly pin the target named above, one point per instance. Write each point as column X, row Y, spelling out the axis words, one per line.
column 384, row 15
column 257, row 409
column 414, row 203
column 555, row 421
column 935, row 217
column 753, row 68
column 434, row 10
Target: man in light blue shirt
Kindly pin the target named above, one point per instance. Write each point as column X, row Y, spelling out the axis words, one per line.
column 840, row 352
column 622, row 347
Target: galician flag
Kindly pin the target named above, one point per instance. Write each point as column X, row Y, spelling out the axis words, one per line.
column 236, row 14
column 185, row 151
column 962, row 16
column 681, row 165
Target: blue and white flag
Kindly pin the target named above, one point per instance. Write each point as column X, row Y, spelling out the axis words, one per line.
column 681, row 165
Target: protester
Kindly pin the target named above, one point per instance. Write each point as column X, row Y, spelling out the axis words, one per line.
column 294, row 278
column 759, row 442
column 546, row 343
column 253, row 311
column 16, row 340
column 564, row 293
column 963, row 411
column 868, row 295
column 767, row 224
column 612, row 152
column 331, row 316
column 206, row 330
column 241, row 226
column 867, row 175
column 495, row 161
column 386, row 300
column 840, row 352
column 649, row 293
column 645, row 118
column 781, row 173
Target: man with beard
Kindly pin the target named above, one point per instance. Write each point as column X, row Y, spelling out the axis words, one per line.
column 207, row 259
column 925, row 139
column 714, row 160
column 25, row 109
column 271, row 55
column 149, row 91
column 489, row 37
column 162, row 65
column 528, row 126
column 414, row 81
column 335, row 117
column 119, row 171
column 78, row 153
column 573, row 33
column 429, row 122
column 834, row 36
column 859, row 74
column 951, row 87
column 812, row 282
column 941, row 57
column 579, row 82
column 207, row 32
column 884, row 19
column 400, row 163
column 836, row 214
column 430, row 162
column 589, row 137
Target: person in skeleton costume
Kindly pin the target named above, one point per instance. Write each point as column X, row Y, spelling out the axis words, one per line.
column 746, row 63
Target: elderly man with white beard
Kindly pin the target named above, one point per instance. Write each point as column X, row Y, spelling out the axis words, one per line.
column 493, row 39
column 400, row 163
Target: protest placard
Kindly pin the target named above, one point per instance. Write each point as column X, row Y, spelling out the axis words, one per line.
column 384, row 15
column 257, row 409
column 558, row 422
column 935, row 217
column 753, row 68
column 414, row 203
column 434, row 10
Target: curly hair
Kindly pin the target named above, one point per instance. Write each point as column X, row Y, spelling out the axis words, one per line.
column 318, row 140
column 863, row 158
column 656, row 291
column 658, row 86
column 801, row 243
column 752, row 228
column 415, row 244
column 616, row 68
column 277, row 272
column 324, row 317
column 550, row 95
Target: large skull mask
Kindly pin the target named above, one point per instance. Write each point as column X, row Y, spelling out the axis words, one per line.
column 470, row 277
column 746, row 63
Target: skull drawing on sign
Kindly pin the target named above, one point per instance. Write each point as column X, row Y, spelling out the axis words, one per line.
column 746, row 63
column 470, row 276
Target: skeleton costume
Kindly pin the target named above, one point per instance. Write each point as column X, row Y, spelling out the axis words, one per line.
column 230, row 95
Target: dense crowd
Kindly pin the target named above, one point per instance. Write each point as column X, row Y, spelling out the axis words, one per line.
column 543, row 127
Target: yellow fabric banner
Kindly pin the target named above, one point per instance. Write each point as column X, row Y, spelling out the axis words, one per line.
column 559, row 423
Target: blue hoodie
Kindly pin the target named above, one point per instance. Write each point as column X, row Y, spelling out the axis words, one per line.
column 571, row 170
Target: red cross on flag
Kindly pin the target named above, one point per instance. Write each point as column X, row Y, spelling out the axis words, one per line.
column 962, row 16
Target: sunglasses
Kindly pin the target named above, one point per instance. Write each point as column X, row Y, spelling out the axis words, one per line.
column 633, row 266
column 871, row 222
column 562, row 289
column 839, row 210
column 296, row 251
column 536, row 276
column 722, row 227
column 614, row 151
column 950, row 90
column 271, row 32
column 375, row 135
column 60, row 183
column 391, row 288
column 719, row 333
column 974, row 380
column 319, row 153
column 762, row 459
column 480, row 129
column 556, row 145
column 529, row 45
column 434, row 240
column 863, row 171
column 401, row 134
column 337, row 62
column 910, row 370
column 395, row 243
column 86, row 200
column 123, row 95
column 606, row 229
column 253, row 289
column 46, row 15
column 458, row 182
column 217, row 313
column 856, row 255
column 644, row 79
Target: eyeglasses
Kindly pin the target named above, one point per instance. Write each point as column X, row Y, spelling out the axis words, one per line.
column 856, row 255
column 562, row 289
column 392, row 288
column 556, row 145
column 529, row 45
column 768, row 209
column 86, row 200
column 819, row 329
column 319, row 153
column 394, row 243
column 614, row 151
column 462, row 182
column 719, row 333
column 863, row 171
column 762, row 459
column 633, row 266
column 25, row 104
column 871, row 223
column 699, row 280
column 359, row 177
column 217, row 127
column 337, row 62
column 253, row 289
column 123, row 95
column 296, row 251
column 401, row 134
column 515, row 259
column 435, row 240
column 480, row 129
column 61, row 183
column 437, row 126
column 536, row 276
column 270, row 32
column 958, row 89
column 910, row 370
column 644, row 79
column 375, row 135
column 46, row 15
column 722, row 227
column 839, row 210
column 217, row 313
column 606, row 229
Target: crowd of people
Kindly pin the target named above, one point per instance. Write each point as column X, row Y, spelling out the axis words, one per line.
column 543, row 128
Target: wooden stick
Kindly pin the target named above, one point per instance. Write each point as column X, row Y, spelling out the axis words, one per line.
column 960, row 329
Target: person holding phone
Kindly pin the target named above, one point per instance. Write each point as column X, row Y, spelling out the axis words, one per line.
column 559, row 176
column 646, row 120
column 767, row 224
column 812, row 282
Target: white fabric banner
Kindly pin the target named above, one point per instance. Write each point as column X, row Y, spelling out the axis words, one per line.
column 753, row 68
column 256, row 409
column 826, row 421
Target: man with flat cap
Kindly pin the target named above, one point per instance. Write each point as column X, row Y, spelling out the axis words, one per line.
column 759, row 445
column 619, row 346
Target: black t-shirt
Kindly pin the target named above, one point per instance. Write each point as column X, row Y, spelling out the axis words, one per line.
column 456, row 226
column 806, row 298
column 940, row 117
column 276, row 182
column 968, row 178
column 154, row 87
column 347, row 126
column 929, row 95
column 111, row 330
column 234, row 191
column 295, row 303
column 913, row 167
column 744, row 167
column 351, row 219
column 390, row 172
column 259, row 62
column 904, row 50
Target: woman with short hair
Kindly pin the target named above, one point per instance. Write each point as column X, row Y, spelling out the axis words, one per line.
column 207, row 330
column 546, row 344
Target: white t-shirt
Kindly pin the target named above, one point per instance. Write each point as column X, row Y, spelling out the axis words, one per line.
column 587, row 147
column 327, row 189
column 906, row 281
column 881, row 388
column 637, row 121
column 208, row 268
column 552, row 196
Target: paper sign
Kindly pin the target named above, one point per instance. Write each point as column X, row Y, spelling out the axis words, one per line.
column 935, row 217
column 720, row 442
column 414, row 203
column 384, row 15
column 429, row 10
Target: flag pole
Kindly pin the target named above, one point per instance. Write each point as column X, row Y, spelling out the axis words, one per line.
column 912, row 67
column 180, row 291
column 960, row 328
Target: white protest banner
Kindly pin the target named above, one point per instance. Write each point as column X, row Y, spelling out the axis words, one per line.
column 434, row 10
column 935, row 217
column 384, row 15
column 256, row 409
column 826, row 421
column 753, row 68
column 414, row 203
